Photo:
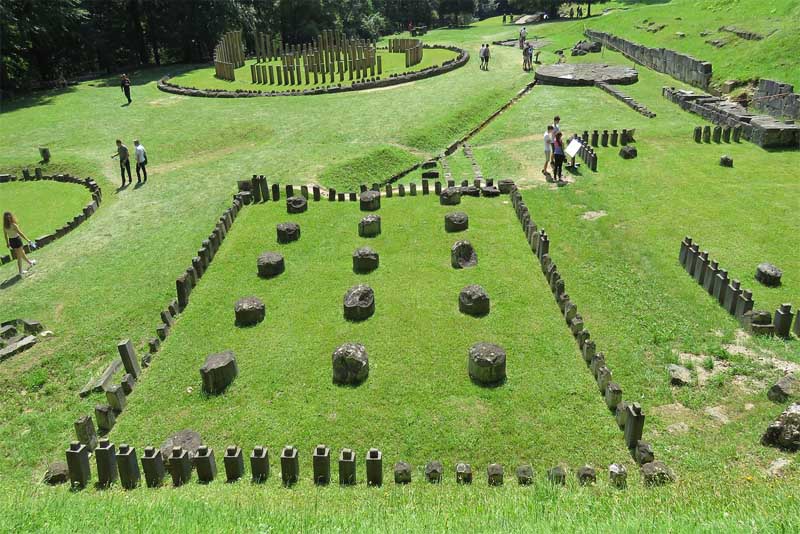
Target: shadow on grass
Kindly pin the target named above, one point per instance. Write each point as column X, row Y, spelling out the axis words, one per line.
column 14, row 280
column 37, row 98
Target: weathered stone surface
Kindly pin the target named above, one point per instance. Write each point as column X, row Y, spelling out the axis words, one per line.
column 494, row 474
column 490, row 191
column 188, row 440
column 574, row 74
column 57, row 473
column 463, row 473
column 249, row 311
column 218, row 372
column 657, row 474
column 296, row 205
column 487, row 363
column 457, row 221
column 370, row 226
column 525, row 475
column 270, row 264
column 784, row 432
column 473, row 300
column 643, row 453
column 450, row 197
column 586, row 475
column 505, row 186
column 726, row 161
column 462, row 255
column 365, row 260
column 557, row 475
column 434, row 471
column 350, row 364
column 618, row 475
column 288, row 232
column 402, row 473
column 786, row 388
column 359, row 303
column 679, row 375
column 628, row 152
column 370, row 201
column 768, row 275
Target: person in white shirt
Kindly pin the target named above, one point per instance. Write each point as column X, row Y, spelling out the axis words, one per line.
column 523, row 36
column 141, row 161
column 556, row 125
column 548, row 148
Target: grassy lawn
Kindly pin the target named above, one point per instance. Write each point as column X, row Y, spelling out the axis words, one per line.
column 392, row 64
column 43, row 206
column 109, row 279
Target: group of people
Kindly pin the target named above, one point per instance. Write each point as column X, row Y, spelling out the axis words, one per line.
column 140, row 154
column 529, row 57
column 484, row 55
column 554, row 149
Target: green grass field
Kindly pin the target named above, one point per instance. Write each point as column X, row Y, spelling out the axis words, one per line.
column 392, row 64
column 109, row 279
column 41, row 207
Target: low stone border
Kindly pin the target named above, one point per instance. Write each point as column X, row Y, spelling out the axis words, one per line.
column 12, row 342
column 732, row 297
column 88, row 210
column 625, row 99
column 374, row 83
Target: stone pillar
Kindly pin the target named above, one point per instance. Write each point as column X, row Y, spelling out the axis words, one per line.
column 604, row 138
column 717, row 135
column 290, row 465
column 106, row 458
column 726, row 134
column 205, row 464
column 105, row 417
column 180, row 466
column 276, row 192
column 711, row 273
column 321, row 462
column 698, row 134
column 259, row 464
column 128, row 356
column 374, row 467
column 347, row 467
column 720, row 286
column 153, row 466
column 706, row 134
column 732, row 296
column 85, row 433
column 634, row 425
column 234, row 463
column 128, row 465
column 783, row 320
column 413, row 187
column 78, row 465
column 614, row 137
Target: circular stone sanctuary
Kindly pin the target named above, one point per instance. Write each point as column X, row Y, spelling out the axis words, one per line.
column 586, row 74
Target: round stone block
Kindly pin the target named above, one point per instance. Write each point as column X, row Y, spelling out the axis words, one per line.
column 370, row 201
column 218, row 372
column 462, row 255
column 470, row 191
column 628, row 152
column 365, row 260
column 56, row 474
column 270, row 264
column 249, row 311
column 450, row 197
column 726, row 161
column 288, row 232
column 350, row 364
column 370, row 226
column 768, row 274
column 473, row 300
column 359, row 303
column 296, row 205
column 402, row 473
column 505, row 186
column 657, row 474
column 490, row 191
column 487, row 363
column 456, row 222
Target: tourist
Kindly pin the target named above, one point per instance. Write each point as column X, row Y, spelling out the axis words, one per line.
column 486, row 55
column 141, row 160
column 125, row 85
column 14, row 236
column 536, row 56
column 523, row 36
column 556, row 124
column 558, row 156
column 124, row 161
column 548, row 148
column 572, row 12
column 482, row 55
column 526, row 57
column 580, row 12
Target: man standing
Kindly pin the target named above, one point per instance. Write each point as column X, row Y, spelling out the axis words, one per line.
column 486, row 56
column 141, row 161
column 548, row 148
column 556, row 125
column 124, row 162
column 523, row 36
column 482, row 56
column 125, row 85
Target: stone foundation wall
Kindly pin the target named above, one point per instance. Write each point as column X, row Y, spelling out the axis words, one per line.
column 680, row 66
column 777, row 99
column 762, row 130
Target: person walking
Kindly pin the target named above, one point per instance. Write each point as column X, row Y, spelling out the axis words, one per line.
column 125, row 85
column 482, row 55
column 523, row 36
column 558, row 156
column 141, row 161
column 548, row 148
column 13, row 237
column 487, row 56
column 124, row 161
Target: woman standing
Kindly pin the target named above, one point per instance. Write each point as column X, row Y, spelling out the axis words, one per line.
column 558, row 156
column 14, row 236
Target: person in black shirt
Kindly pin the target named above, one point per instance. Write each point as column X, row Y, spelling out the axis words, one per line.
column 125, row 85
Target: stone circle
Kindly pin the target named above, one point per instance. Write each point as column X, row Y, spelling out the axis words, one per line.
column 458, row 221
column 288, row 232
column 462, row 255
column 249, row 311
column 487, row 363
column 270, row 264
column 218, row 372
column 296, row 205
column 768, row 275
column 369, row 226
column 370, row 200
column 350, row 364
column 359, row 303
column 576, row 74
column 365, row 260
column 473, row 300
column 450, row 197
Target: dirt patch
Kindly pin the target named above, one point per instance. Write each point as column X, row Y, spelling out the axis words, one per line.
column 767, row 359
column 593, row 215
column 718, row 413
column 699, row 361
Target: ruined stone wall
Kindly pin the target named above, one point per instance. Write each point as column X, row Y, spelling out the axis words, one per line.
column 680, row 66
column 778, row 99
